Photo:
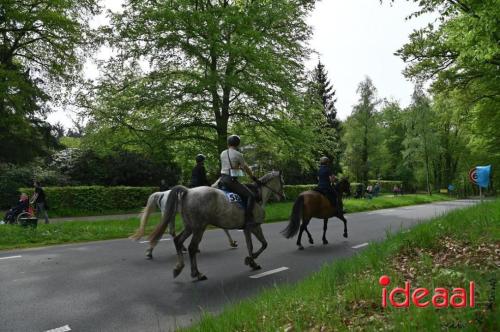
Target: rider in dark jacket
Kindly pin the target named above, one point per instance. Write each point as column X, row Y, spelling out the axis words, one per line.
column 325, row 179
column 199, row 174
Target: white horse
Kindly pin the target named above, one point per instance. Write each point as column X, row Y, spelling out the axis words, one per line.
column 204, row 206
column 159, row 200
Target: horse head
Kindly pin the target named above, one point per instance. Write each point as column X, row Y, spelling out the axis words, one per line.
column 273, row 181
column 344, row 186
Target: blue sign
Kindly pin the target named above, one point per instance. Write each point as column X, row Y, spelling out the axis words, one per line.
column 483, row 176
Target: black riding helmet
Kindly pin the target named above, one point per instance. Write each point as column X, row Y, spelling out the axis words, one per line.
column 324, row 160
column 233, row 140
column 199, row 158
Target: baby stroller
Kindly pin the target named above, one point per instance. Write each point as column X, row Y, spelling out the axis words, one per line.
column 21, row 210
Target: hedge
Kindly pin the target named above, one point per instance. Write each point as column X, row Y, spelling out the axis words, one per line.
column 95, row 198
column 293, row 191
column 101, row 199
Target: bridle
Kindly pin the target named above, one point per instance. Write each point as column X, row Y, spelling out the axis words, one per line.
column 264, row 184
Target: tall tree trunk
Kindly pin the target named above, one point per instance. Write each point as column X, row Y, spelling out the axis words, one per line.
column 364, row 155
column 427, row 167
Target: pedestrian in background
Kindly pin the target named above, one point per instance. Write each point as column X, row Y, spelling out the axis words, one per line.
column 40, row 201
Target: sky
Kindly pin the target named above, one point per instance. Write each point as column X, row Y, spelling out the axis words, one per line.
column 352, row 38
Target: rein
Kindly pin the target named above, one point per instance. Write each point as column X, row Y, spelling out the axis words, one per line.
column 272, row 190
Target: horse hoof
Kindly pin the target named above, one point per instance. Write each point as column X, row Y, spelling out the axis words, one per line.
column 311, row 241
column 325, row 242
column 234, row 244
column 149, row 257
column 345, row 235
column 256, row 267
column 184, row 249
column 301, row 248
column 201, row 277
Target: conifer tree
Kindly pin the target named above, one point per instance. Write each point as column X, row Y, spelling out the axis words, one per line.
column 326, row 94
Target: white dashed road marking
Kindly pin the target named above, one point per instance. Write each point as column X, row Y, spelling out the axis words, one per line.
column 9, row 257
column 360, row 245
column 64, row 328
column 158, row 240
column 263, row 274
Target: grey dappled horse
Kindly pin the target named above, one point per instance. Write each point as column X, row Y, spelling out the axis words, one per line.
column 203, row 206
column 159, row 200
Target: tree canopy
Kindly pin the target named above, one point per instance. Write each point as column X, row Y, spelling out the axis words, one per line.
column 41, row 50
column 210, row 65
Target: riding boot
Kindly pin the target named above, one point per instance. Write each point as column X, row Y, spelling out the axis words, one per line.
column 249, row 219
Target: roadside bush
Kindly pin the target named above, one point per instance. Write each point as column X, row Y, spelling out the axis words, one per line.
column 293, row 191
column 11, row 178
column 121, row 168
column 95, row 198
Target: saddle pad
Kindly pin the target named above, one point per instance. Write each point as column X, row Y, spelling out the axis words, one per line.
column 234, row 198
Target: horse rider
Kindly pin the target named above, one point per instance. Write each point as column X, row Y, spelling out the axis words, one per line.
column 232, row 167
column 325, row 179
column 199, row 174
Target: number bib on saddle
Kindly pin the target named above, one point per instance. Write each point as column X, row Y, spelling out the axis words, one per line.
column 234, row 198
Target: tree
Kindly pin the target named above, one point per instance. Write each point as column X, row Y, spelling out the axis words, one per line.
column 41, row 50
column 394, row 131
column 211, row 64
column 362, row 132
column 322, row 90
column 420, row 141
column 461, row 57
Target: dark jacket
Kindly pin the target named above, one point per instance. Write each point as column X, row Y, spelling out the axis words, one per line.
column 198, row 176
column 324, row 174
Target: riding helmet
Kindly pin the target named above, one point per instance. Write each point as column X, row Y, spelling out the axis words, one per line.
column 200, row 158
column 324, row 160
column 233, row 140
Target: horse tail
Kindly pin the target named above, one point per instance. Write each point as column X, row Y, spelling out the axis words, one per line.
column 151, row 205
column 168, row 215
column 294, row 224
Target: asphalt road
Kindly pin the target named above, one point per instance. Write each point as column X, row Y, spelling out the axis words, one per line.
column 109, row 286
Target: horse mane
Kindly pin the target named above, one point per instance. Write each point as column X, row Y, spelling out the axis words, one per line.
column 266, row 178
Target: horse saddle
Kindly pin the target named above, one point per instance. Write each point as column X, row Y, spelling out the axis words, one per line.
column 329, row 195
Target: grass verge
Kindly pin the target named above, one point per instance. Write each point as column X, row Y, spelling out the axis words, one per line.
column 448, row 252
column 79, row 231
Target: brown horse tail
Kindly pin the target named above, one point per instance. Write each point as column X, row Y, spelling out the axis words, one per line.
column 168, row 215
column 294, row 224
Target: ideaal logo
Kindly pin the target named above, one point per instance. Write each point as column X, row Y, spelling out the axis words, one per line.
column 440, row 298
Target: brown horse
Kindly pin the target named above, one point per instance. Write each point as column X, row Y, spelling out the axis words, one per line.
column 312, row 204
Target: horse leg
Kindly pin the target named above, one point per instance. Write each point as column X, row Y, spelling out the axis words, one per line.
column 307, row 231
column 178, row 241
column 249, row 260
column 345, row 225
column 232, row 243
column 325, row 223
column 257, row 231
column 149, row 252
column 299, row 239
column 193, row 250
